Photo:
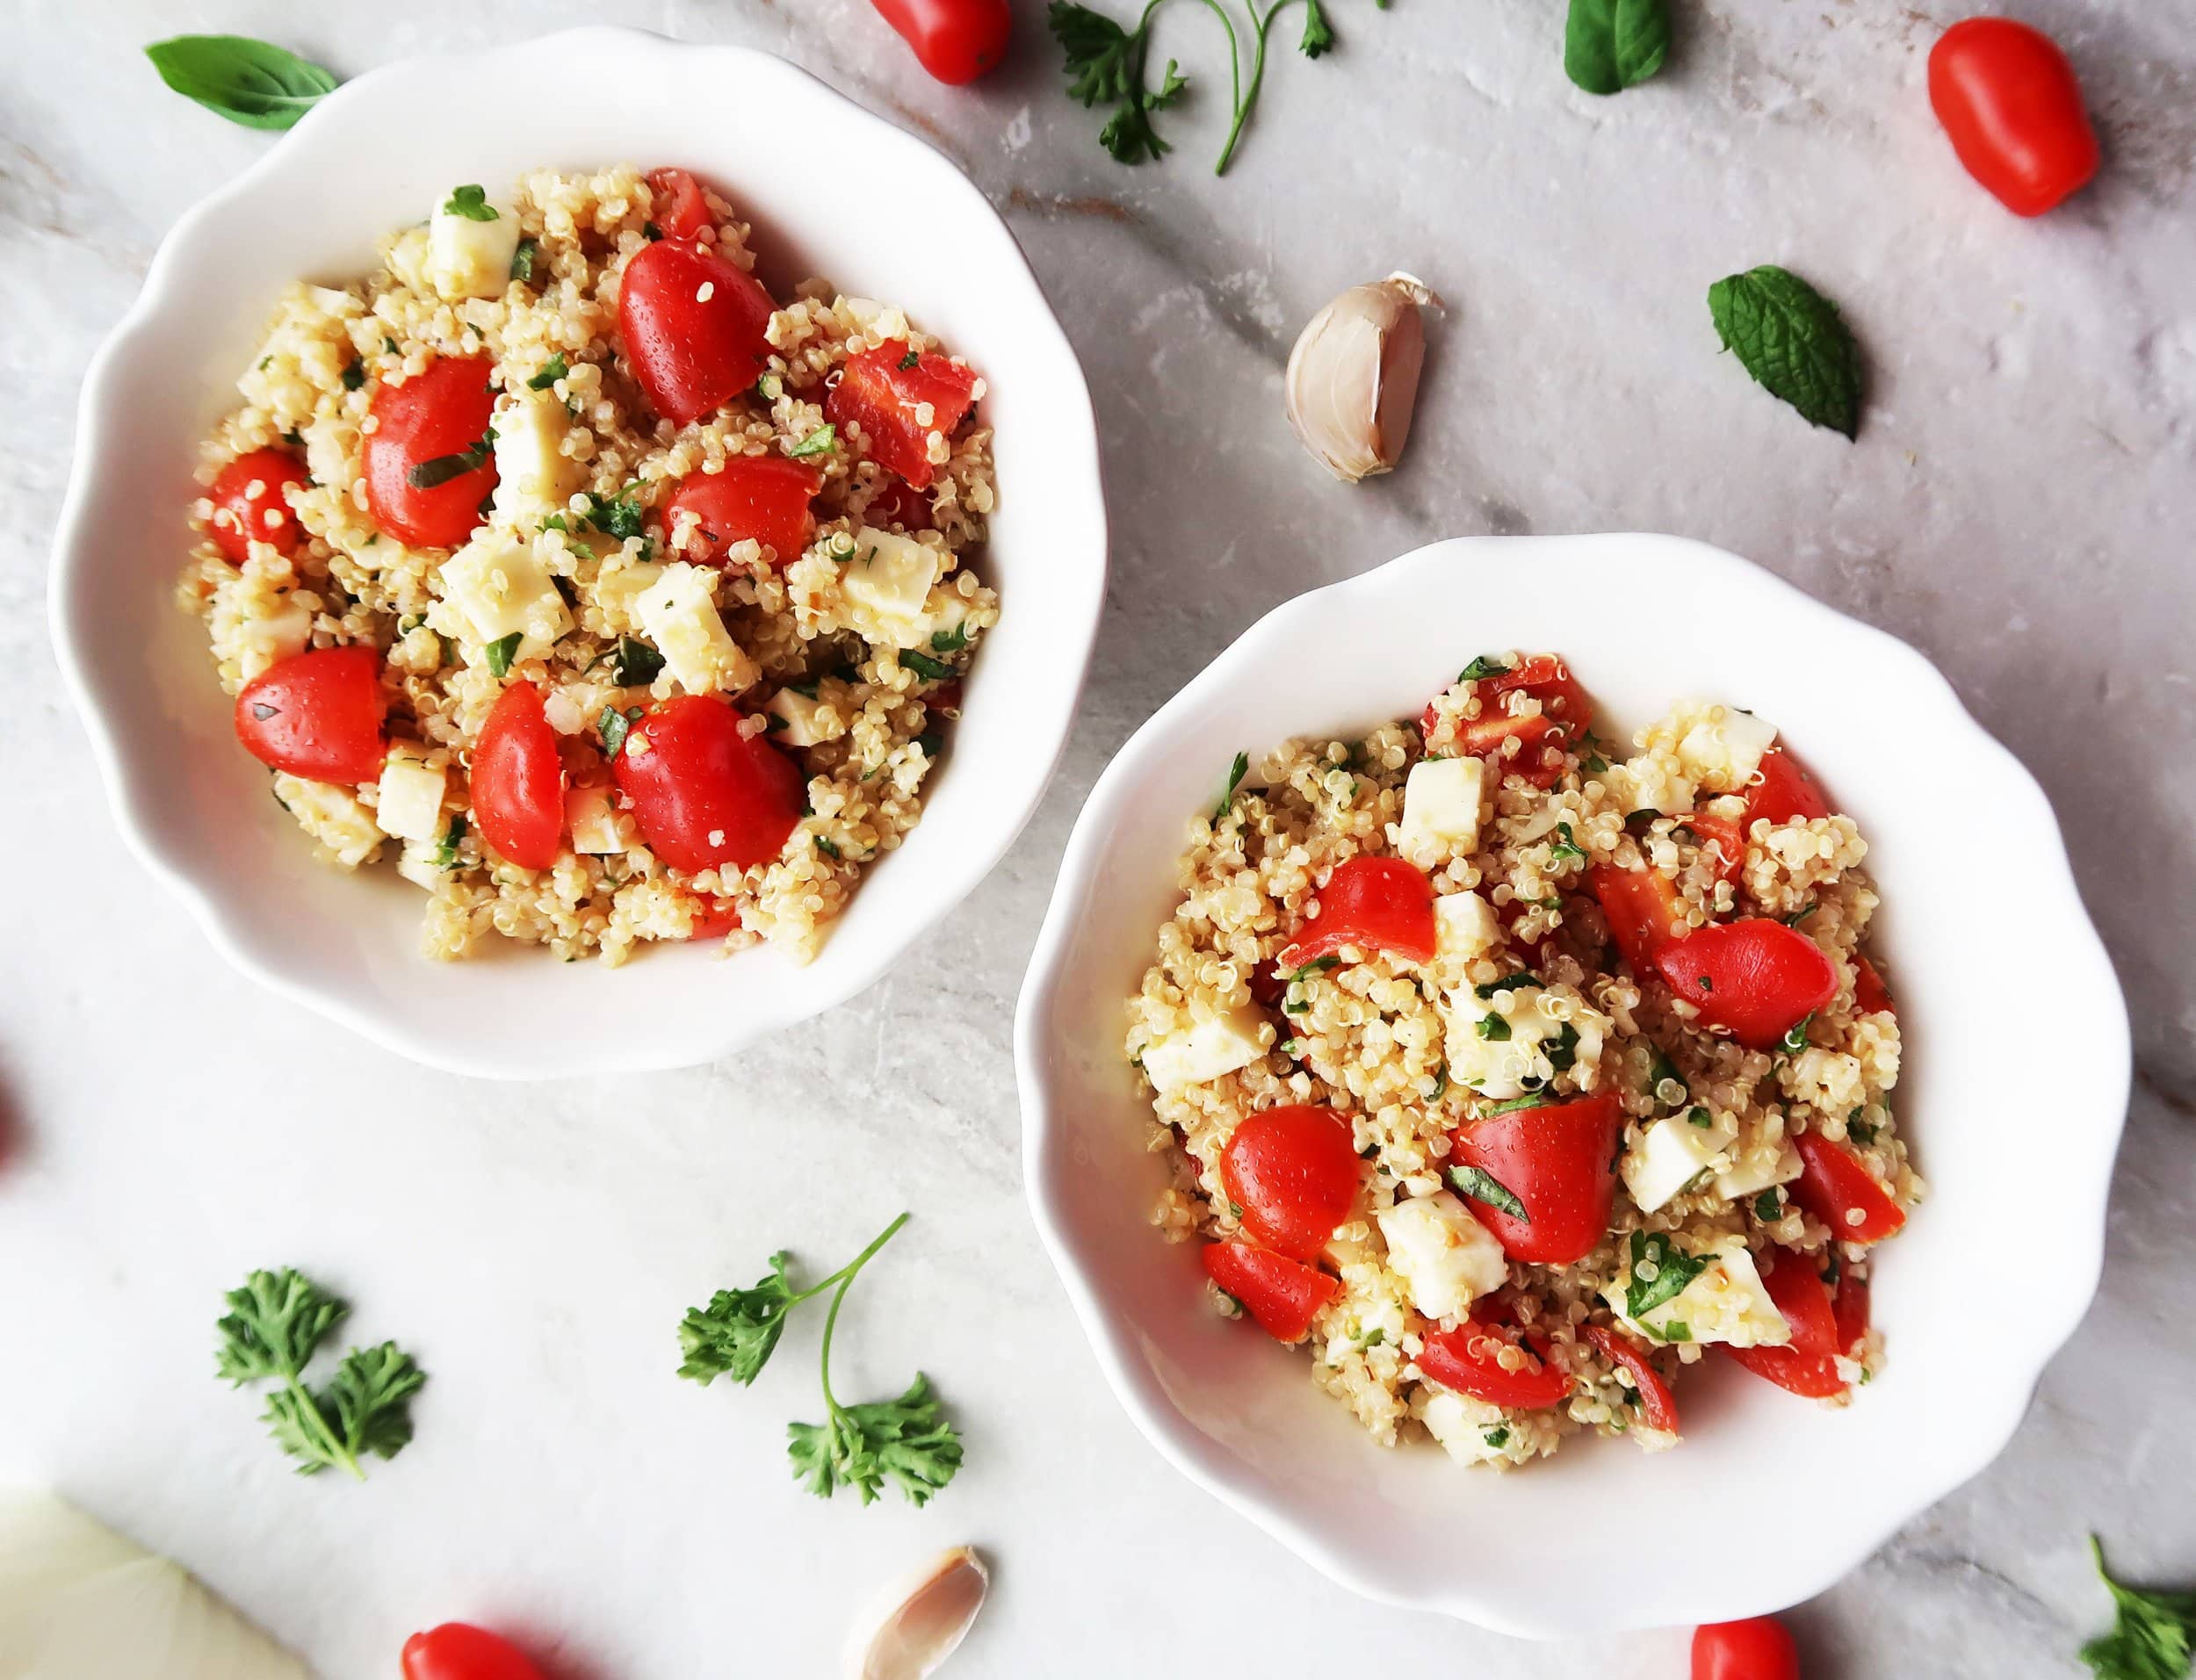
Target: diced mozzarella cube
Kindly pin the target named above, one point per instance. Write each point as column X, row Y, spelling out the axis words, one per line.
column 1726, row 1302
column 420, row 864
column 1461, row 1424
column 272, row 637
column 1719, row 746
column 1441, row 808
column 890, row 577
column 533, row 476
column 619, row 587
column 335, row 817
column 589, row 814
column 1447, row 1257
column 409, row 801
column 1464, row 925
column 1671, row 1153
column 799, row 714
column 495, row 586
column 679, row 612
column 1206, row 1049
column 1759, row 1169
column 1520, row 1052
column 467, row 258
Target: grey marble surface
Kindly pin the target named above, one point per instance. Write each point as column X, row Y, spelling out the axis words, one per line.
column 2020, row 505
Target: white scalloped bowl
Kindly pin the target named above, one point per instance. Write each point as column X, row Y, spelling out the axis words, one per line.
column 370, row 157
column 2018, row 1055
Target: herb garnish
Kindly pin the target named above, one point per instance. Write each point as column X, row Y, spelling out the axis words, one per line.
column 1800, row 915
column 1612, row 44
column 923, row 665
column 615, row 726
column 829, row 849
column 1480, row 669
column 949, row 641
column 472, row 203
column 446, row 855
column 354, row 374
column 1507, row 983
column 1768, row 1208
column 250, row 82
column 634, row 662
column 1482, row 1185
column 1498, row 1436
column 1789, row 337
column 440, row 468
column 1236, row 771
column 274, row 1325
column 1674, row 1269
column 1795, row 1041
column 1566, row 850
column 522, row 261
column 1493, row 1028
column 498, row 653
column 553, row 370
column 620, row 517
column 823, row 440
column 1530, row 1100
column 2151, row 1631
column 914, row 358
column 1697, row 1115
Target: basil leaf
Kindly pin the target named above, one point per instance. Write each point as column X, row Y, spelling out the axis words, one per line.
column 1493, row 1028
column 250, row 82
column 923, row 665
column 1767, row 1208
column 823, row 440
column 1674, row 1269
column 1699, row 1116
column 825, row 846
column 523, row 263
column 1530, row 1100
column 1482, row 1185
column 354, row 374
column 440, row 468
column 446, row 852
column 634, row 662
column 1563, row 1055
column 472, row 203
column 553, row 370
column 949, row 641
column 499, row 654
column 1799, row 916
column 1480, row 669
column 1236, row 771
column 615, row 726
column 1789, row 336
column 1507, row 983
column 1795, row 1041
column 1612, row 44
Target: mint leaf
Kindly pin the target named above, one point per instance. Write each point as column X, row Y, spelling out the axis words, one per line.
column 250, row 82
column 1612, row 44
column 1789, row 337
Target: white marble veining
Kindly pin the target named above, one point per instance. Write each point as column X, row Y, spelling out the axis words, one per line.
column 2019, row 504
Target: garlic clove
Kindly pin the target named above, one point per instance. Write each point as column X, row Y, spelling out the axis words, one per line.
column 1353, row 378
column 930, row 1614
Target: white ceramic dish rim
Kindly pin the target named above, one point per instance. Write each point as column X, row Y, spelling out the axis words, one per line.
column 97, row 419
column 1047, row 1125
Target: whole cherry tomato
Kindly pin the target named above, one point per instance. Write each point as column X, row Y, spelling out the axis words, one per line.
column 681, row 210
column 250, row 505
column 1756, row 1649
column 317, row 714
column 706, row 795
column 765, row 498
column 519, row 780
column 1557, row 1160
column 1281, row 1294
column 2009, row 102
column 428, row 463
column 1294, row 1173
column 460, row 1651
column 1468, row 1360
column 1759, row 977
column 883, row 392
column 695, row 327
column 1377, row 904
column 956, row 40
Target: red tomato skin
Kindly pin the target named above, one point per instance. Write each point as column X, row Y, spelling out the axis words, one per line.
column 460, row 1651
column 2010, row 106
column 1644, row 909
column 1832, row 1184
column 1724, row 841
column 956, row 40
column 1870, row 995
column 317, row 714
column 1281, row 1294
column 879, row 396
column 1373, row 903
column 241, row 518
column 698, row 775
column 899, row 503
column 1464, row 1359
column 1658, row 1406
column 1783, row 792
column 762, row 497
column 444, row 411
column 1294, row 1171
column 519, row 780
column 692, row 353
column 1756, row 1649
column 1849, row 1312
column 1757, row 978
column 1565, row 716
column 1805, row 1364
column 681, row 210
column 1557, row 1160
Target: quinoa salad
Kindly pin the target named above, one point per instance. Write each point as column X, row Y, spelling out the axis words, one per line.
column 606, row 598
column 1512, row 1076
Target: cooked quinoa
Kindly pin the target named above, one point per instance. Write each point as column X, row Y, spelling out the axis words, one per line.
column 1528, row 1003
column 830, row 652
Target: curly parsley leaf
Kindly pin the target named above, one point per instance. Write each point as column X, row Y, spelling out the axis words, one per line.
column 370, row 1398
column 1612, row 44
column 736, row 1333
column 275, row 1324
column 2151, row 1632
column 250, row 82
column 1318, row 34
column 1789, row 337
column 907, row 1441
column 620, row 517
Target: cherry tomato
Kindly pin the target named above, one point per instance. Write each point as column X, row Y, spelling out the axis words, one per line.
column 317, row 714
column 706, row 795
column 880, row 390
column 1833, row 1187
column 1565, row 715
column 1294, row 1171
column 760, row 497
column 519, row 780
column 1282, row 1295
column 956, row 40
column 2009, row 102
column 1757, row 978
column 695, row 327
column 1468, row 1360
column 1374, row 902
column 250, row 506
column 1658, row 1406
column 417, row 489
column 1784, row 791
column 1806, row 1364
column 1757, row 1649
column 1559, row 1160
column 1870, row 995
column 901, row 504
column 1722, row 841
column 1267, row 984
column 1849, row 1313
column 681, row 210
column 1644, row 912
column 714, row 921
column 460, row 1651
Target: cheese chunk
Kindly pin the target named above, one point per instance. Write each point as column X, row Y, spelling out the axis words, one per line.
column 589, row 814
column 1461, row 1424
column 1447, row 1257
column 802, row 727
column 618, row 588
column 409, row 798
column 495, row 586
column 1670, row 1154
column 890, row 577
column 273, row 637
column 534, row 478
column 1526, row 1046
column 1464, row 925
column 1759, row 1169
column 335, row 817
column 467, row 258
column 1440, row 809
column 679, row 612
column 1726, row 1302
column 1719, row 746
column 1206, row 1049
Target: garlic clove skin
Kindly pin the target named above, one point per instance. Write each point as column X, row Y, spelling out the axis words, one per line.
column 1353, row 378
column 930, row 1612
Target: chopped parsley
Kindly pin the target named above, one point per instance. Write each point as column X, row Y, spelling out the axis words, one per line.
column 1482, row 1185
column 1493, row 1028
column 1563, row 1055
column 823, row 440
column 1795, row 1041
column 1507, row 983
column 634, row 662
column 923, row 665
column 1498, row 1436
column 1480, row 669
column 553, row 370
column 472, row 203
column 499, row 652
column 912, row 359
column 932, row 745
column 1674, row 1269
column 827, row 848
column 949, row 641
column 1372, row 1337
column 1566, row 850
column 1768, row 1208
column 445, row 856
column 522, row 260
column 620, row 517
column 354, row 374
column 1860, row 1132
column 1697, row 1115
column 1236, row 771
column 1662, row 1070
column 2151, row 1631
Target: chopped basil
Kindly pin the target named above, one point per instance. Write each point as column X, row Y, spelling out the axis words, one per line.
column 1317, row 965
column 1699, row 1116
column 1530, row 1100
column 1482, row 1185
column 823, row 440
column 1235, row 1210
column 472, row 203
column 1372, row 1337
column 553, row 370
column 620, row 517
column 825, row 846
column 440, row 468
column 923, row 665
column 1800, row 915
column 1795, row 1041
column 933, row 746
column 1675, row 1330
column 522, row 260
column 354, row 374
column 1493, row 1028
column 1860, row 1132
column 500, row 650
column 1480, row 669
column 1441, row 1080
column 650, row 232
column 910, row 359
column 615, row 726
column 446, row 851
column 1507, row 983
column 634, row 662
column 1674, row 1269
column 388, row 345
column 1563, row 1055
column 949, row 641
column 1567, row 849
column 1290, row 1047
column 294, row 438
column 1641, row 821
column 1596, row 765
column 1498, row 1436
column 1661, row 1070
column 1236, row 771
column 1768, row 1208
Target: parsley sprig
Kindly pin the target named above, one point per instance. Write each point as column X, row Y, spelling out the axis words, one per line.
column 2151, row 1634
column 907, row 1441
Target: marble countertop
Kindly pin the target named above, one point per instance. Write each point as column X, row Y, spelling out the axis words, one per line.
column 2020, row 505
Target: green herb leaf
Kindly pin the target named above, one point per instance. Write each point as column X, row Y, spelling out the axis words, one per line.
column 369, row 1400
column 1674, row 1269
column 1612, row 44
column 1789, row 337
column 1795, row 1041
column 1318, row 34
column 440, row 468
column 1563, row 1055
column 1236, row 771
column 829, row 849
column 1860, row 1132
column 614, row 726
column 1799, row 916
column 354, row 374
column 523, row 263
column 634, row 662
column 1374, row 1337
column 275, row 1324
column 949, row 641
column 447, row 850
column 1493, row 1028
column 1507, row 983
column 823, row 440
column 1480, row 669
column 2151, row 1631
column 1482, row 1185
column 620, row 517
column 923, row 665
column 905, row 1441
column 1498, row 1436
column 734, row 1334
column 1767, row 1208
column 914, row 358
column 248, row 82
column 1514, row 1105
column 1566, row 850
column 472, row 203
column 1104, row 64
column 553, row 370
column 499, row 652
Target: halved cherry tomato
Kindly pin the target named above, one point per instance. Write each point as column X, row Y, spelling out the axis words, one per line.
column 899, row 503
column 460, row 1651
column 1468, row 1360
column 1784, row 791
column 1266, row 984
column 418, row 488
column 1849, row 1313
column 714, row 921
column 2010, row 105
column 1756, row 977
column 1294, row 1171
column 1658, row 1406
column 1755, row 1649
column 681, row 210
column 1723, row 843
column 1281, row 1294
column 956, row 40
column 317, row 714
column 706, row 795
column 1375, row 903
column 1559, row 1160
column 1870, row 995
column 250, row 506
column 882, row 390
column 695, row 327
column 1805, row 1364
column 1644, row 911
column 1833, row 1187
column 1565, row 716
column 760, row 497
column 519, row 780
